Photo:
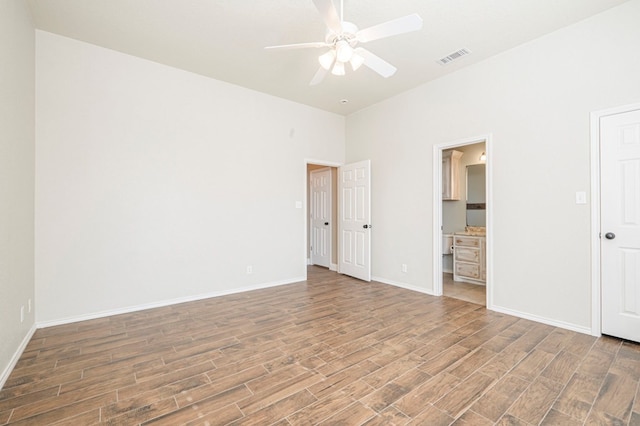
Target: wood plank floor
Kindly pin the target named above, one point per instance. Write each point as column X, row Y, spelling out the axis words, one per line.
column 331, row 351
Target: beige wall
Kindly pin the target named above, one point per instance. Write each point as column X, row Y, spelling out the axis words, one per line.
column 535, row 100
column 151, row 188
column 17, row 109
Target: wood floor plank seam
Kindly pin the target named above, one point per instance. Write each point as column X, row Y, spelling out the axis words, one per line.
column 589, row 413
column 329, row 350
column 540, row 375
column 551, row 407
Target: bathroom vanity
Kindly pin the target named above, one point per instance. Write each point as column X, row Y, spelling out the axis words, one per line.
column 469, row 260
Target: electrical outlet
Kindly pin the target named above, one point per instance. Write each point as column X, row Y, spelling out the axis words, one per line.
column 404, row 267
column 29, row 306
column 249, row 269
column 22, row 313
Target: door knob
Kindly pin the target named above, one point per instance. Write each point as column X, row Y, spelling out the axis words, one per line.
column 366, row 226
column 326, row 223
column 609, row 235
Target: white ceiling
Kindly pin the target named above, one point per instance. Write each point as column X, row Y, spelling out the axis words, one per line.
column 224, row 39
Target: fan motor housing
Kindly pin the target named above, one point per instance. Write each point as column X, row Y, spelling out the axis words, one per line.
column 348, row 34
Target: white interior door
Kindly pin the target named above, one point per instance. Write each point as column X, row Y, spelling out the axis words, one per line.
column 320, row 217
column 354, row 186
column 620, row 224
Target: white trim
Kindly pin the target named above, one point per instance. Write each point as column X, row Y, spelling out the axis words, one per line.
column 488, row 258
column 437, row 211
column 332, row 266
column 16, row 356
column 322, row 163
column 596, row 280
column 437, row 220
column 102, row 314
column 330, row 201
column 402, row 285
column 543, row 320
column 595, row 224
column 305, row 204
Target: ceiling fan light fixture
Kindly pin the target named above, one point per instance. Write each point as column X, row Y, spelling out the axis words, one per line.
column 338, row 68
column 326, row 59
column 344, row 51
column 343, row 38
column 356, row 61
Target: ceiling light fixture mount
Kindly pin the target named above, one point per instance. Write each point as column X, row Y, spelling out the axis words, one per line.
column 343, row 38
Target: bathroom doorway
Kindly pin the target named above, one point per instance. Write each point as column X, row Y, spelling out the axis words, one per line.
column 461, row 265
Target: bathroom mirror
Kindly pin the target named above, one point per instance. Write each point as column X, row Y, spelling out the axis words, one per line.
column 476, row 195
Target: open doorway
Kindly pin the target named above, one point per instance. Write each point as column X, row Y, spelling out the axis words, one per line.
column 461, row 220
column 322, row 223
column 350, row 230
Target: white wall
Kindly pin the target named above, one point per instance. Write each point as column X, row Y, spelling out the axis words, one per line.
column 17, row 109
column 535, row 100
column 154, row 184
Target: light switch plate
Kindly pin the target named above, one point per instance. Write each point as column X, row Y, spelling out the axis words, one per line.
column 298, row 204
column 581, row 197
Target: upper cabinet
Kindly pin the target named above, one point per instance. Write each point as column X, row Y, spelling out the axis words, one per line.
column 451, row 174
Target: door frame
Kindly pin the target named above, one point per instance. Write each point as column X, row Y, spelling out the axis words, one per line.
column 437, row 211
column 305, row 207
column 596, row 255
column 331, row 207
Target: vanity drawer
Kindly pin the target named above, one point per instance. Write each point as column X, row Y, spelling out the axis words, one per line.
column 468, row 270
column 465, row 254
column 461, row 240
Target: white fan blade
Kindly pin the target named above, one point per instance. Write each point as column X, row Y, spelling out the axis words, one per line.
column 317, row 79
column 402, row 25
column 329, row 15
column 298, row 46
column 376, row 63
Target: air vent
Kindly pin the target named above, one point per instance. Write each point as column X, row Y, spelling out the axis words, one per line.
column 453, row 56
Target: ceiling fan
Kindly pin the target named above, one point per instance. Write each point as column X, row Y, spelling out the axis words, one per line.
column 343, row 38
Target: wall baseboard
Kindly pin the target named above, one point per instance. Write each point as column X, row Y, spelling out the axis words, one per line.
column 543, row 320
column 402, row 285
column 332, row 266
column 102, row 314
column 16, row 356
column 128, row 309
column 523, row 315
